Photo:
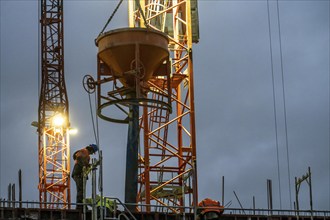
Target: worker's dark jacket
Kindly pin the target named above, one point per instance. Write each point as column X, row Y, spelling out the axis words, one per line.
column 81, row 159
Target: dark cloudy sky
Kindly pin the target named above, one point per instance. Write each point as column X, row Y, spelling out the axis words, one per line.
column 234, row 94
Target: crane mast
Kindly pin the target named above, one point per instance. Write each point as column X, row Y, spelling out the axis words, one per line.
column 53, row 119
column 167, row 162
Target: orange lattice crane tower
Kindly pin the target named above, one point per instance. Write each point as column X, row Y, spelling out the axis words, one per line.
column 53, row 120
column 167, row 165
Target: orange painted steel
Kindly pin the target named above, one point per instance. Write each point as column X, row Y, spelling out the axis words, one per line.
column 53, row 146
column 167, row 162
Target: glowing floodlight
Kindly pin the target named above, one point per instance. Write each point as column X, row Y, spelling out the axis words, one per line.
column 58, row 120
column 73, row 131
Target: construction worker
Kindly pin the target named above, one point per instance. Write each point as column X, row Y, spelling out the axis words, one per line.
column 81, row 161
column 209, row 209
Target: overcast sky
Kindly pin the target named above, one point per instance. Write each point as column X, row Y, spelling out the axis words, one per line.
column 234, row 96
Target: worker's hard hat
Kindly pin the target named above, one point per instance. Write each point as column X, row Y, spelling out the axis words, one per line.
column 94, row 147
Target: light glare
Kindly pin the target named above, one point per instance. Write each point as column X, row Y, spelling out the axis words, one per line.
column 73, row 131
column 58, row 120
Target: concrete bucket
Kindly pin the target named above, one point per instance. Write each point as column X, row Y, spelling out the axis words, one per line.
column 133, row 53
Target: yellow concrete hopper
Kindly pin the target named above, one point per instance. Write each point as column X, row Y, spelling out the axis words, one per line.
column 120, row 49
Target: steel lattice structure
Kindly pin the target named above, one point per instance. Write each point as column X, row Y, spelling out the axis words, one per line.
column 54, row 149
column 167, row 160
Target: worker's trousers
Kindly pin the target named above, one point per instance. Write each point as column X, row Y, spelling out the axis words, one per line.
column 80, row 190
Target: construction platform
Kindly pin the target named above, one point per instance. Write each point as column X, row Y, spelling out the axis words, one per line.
column 7, row 213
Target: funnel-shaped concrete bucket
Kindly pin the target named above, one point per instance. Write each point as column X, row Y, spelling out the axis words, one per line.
column 121, row 48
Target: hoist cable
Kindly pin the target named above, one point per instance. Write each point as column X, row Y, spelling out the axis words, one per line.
column 111, row 16
column 116, row 9
column 97, row 140
column 92, row 117
column 40, row 77
column 274, row 104
column 284, row 101
column 329, row 99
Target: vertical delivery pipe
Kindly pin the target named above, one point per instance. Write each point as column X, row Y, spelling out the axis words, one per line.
column 132, row 157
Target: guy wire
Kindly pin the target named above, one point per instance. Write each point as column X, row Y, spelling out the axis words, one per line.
column 329, row 96
column 274, row 104
column 284, row 102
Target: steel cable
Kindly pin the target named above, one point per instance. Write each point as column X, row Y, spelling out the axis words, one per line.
column 329, row 98
column 274, row 104
column 110, row 18
column 92, row 117
column 284, row 101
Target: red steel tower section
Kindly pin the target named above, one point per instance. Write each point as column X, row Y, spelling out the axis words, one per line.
column 167, row 160
column 53, row 121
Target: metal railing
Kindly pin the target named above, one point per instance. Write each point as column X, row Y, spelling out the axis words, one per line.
column 276, row 212
column 114, row 214
column 123, row 211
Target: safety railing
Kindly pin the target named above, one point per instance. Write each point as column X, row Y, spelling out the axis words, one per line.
column 276, row 212
column 31, row 204
column 122, row 210
column 115, row 214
